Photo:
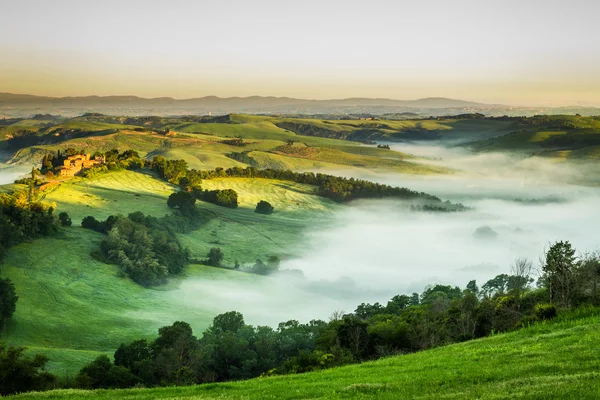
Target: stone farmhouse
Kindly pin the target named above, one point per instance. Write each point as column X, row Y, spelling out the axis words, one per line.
column 75, row 164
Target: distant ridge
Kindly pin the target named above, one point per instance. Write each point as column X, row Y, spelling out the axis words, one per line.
column 83, row 101
column 26, row 105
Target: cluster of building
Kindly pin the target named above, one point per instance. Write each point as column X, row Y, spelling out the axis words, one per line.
column 75, row 164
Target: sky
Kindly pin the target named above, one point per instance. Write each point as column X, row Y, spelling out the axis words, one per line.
column 525, row 52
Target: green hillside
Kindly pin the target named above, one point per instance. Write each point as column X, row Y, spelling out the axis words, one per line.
column 68, row 299
column 546, row 361
column 558, row 136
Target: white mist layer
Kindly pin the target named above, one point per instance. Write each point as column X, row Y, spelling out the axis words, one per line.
column 10, row 174
column 375, row 249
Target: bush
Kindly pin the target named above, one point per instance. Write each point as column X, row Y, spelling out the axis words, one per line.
column 264, row 207
column 545, row 311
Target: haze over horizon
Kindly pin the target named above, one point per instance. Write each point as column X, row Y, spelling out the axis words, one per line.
column 538, row 53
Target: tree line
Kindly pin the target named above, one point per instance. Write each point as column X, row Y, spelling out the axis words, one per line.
column 333, row 187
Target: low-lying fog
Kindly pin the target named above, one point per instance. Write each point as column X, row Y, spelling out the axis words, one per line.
column 8, row 174
column 375, row 249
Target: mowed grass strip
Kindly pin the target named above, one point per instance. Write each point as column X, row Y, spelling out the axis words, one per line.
column 546, row 361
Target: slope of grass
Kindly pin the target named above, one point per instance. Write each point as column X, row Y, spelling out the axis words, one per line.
column 546, row 361
column 244, row 235
column 119, row 192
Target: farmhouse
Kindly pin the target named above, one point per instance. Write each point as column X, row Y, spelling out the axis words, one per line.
column 75, row 164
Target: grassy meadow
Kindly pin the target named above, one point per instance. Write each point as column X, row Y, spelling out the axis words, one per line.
column 557, row 360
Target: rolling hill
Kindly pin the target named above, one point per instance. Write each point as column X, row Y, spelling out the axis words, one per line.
column 68, row 298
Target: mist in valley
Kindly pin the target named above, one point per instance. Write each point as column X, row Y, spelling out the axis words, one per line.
column 372, row 250
column 8, row 174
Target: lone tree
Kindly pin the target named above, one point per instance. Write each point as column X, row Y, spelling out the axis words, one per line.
column 558, row 269
column 264, row 207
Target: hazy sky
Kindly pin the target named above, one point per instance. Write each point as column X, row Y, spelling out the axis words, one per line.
column 510, row 51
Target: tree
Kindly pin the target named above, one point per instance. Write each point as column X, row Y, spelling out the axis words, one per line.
column 397, row 304
column 587, row 280
column 472, row 287
column 8, row 300
column 558, row 268
column 19, row 373
column 215, row 256
column 264, row 207
column 64, row 218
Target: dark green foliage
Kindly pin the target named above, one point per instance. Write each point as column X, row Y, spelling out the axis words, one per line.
column 64, row 218
column 101, row 373
column 226, row 198
column 558, row 269
column 215, row 256
column 146, row 248
column 8, row 300
column 90, row 222
column 587, row 280
column 19, row 373
column 545, row 311
column 171, row 170
column 183, row 200
column 21, row 221
column 264, row 207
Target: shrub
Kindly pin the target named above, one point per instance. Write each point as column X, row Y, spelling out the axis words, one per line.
column 545, row 311
column 264, row 207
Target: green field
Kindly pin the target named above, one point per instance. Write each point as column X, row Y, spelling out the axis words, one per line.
column 547, row 361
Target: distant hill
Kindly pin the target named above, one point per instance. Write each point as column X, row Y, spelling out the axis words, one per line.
column 24, row 105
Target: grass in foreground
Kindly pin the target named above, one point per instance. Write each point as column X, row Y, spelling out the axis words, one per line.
column 547, row 361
